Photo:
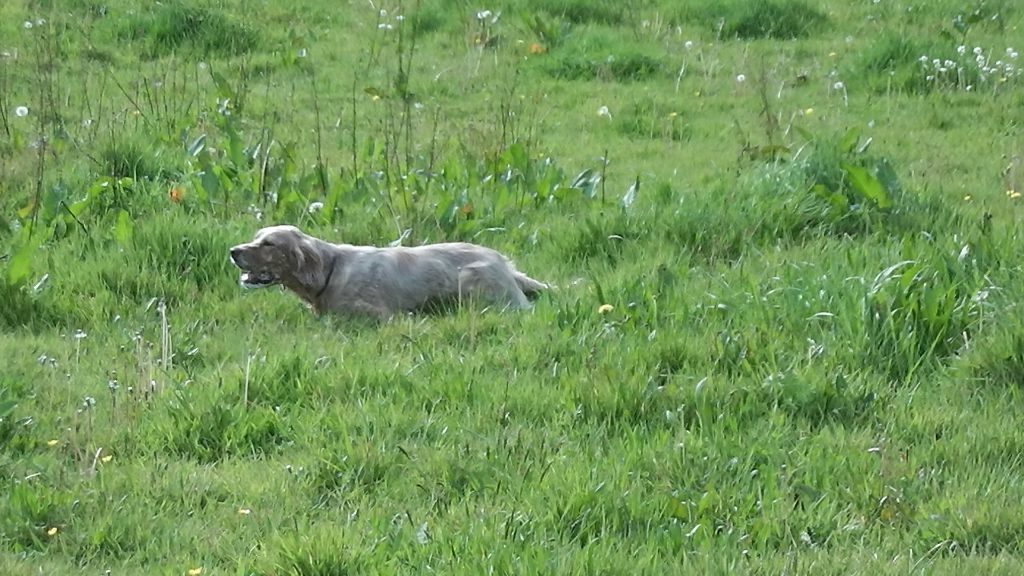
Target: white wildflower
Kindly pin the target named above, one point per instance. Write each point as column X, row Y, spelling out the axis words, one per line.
column 21, row 111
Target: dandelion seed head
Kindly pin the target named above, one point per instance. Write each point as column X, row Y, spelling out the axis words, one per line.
column 688, row 45
column 741, row 78
column 21, row 111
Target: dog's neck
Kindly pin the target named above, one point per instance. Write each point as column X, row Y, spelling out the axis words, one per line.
column 327, row 280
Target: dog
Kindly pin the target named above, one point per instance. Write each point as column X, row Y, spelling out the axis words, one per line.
column 380, row 282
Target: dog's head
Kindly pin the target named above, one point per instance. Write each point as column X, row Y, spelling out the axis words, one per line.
column 277, row 255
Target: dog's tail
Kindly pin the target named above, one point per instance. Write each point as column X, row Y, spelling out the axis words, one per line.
column 529, row 286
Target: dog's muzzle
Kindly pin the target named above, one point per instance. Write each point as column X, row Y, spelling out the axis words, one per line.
column 250, row 278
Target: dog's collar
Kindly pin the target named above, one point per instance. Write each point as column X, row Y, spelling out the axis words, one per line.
column 327, row 282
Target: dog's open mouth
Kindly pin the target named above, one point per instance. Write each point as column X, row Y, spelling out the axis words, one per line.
column 252, row 278
column 257, row 279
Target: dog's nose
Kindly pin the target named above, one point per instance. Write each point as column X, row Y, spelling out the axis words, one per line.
column 236, row 252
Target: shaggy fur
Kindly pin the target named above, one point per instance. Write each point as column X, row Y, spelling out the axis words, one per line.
column 380, row 282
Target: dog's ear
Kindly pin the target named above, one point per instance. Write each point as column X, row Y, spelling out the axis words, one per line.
column 309, row 266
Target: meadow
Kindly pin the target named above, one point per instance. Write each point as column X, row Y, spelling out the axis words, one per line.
column 784, row 340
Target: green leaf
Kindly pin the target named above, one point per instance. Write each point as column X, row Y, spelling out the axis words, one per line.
column 849, row 141
column 867, row 186
column 515, row 156
column 209, row 180
column 123, row 228
column 6, row 408
column 838, row 202
column 223, row 87
column 20, row 264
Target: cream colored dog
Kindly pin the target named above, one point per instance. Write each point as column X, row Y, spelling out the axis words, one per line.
column 380, row 282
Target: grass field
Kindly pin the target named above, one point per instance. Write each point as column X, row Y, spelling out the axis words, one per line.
column 804, row 215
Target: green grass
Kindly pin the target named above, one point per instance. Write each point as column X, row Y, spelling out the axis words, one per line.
column 812, row 361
